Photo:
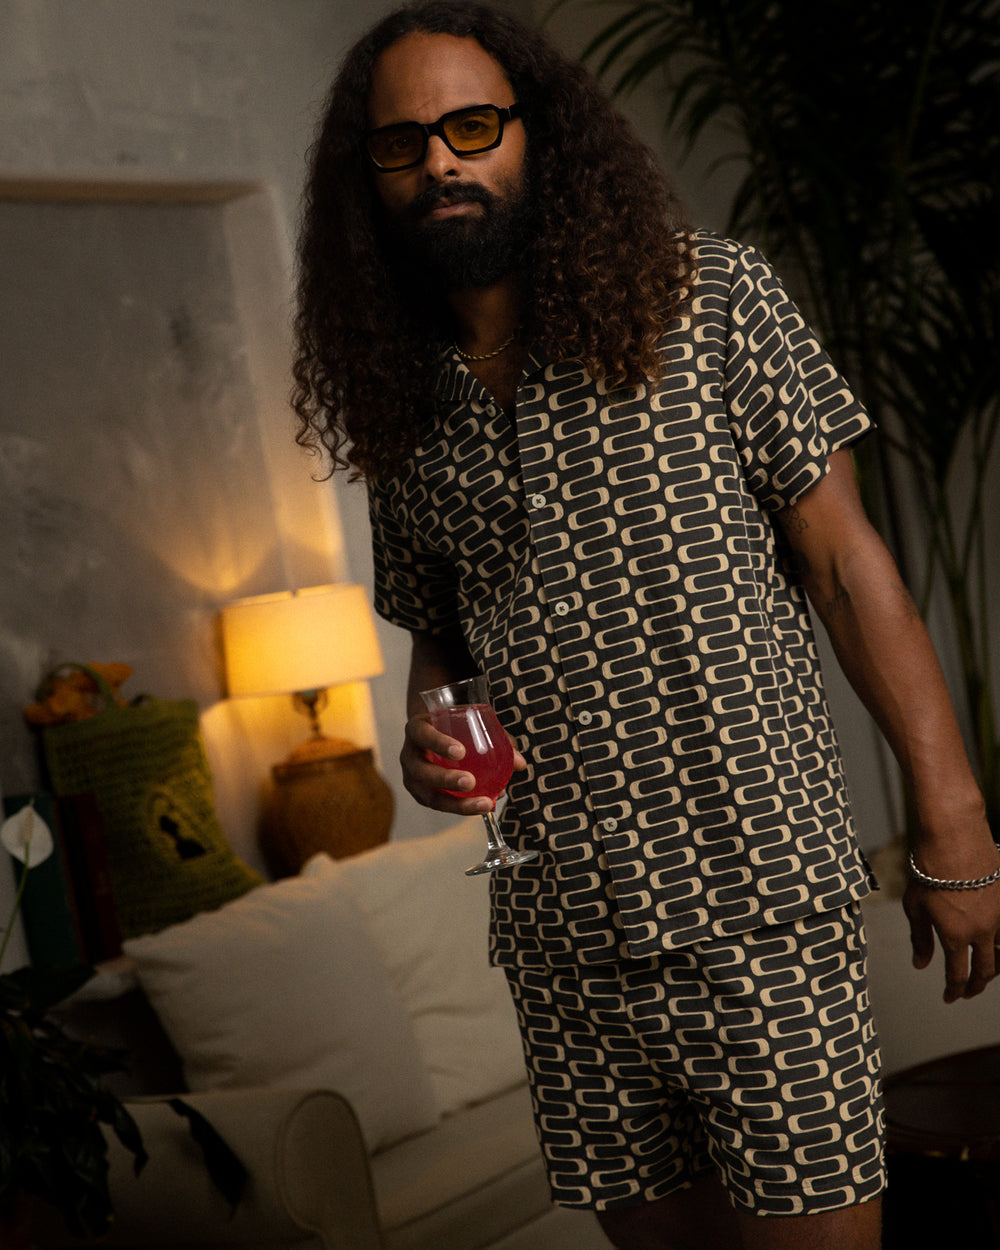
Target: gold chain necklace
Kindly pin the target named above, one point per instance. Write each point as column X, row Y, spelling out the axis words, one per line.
column 487, row 355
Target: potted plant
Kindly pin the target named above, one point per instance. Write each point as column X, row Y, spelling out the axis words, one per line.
column 53, row 1104
column 868, row 138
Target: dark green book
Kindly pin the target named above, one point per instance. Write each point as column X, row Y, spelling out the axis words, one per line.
column 48, row 908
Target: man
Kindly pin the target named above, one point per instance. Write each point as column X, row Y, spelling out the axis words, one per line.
column 605, row 457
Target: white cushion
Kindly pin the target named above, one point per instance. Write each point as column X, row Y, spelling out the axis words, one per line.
column 431, row 925
column 283, row 987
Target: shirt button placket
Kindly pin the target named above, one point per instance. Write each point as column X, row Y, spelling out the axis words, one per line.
column 562, row 608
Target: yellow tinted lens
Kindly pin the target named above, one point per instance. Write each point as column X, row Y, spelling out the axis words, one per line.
column 396, row 145
column 473, row 130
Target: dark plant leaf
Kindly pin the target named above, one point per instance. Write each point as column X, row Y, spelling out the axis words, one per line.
column 228, row 1174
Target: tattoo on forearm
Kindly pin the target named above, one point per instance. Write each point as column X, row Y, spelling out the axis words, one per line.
column 793, row 520
column 840, row 602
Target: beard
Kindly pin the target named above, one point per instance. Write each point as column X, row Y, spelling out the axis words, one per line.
column 468, row 251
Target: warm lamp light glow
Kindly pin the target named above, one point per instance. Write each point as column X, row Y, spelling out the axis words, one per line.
column 300, row 640
column 327, row 795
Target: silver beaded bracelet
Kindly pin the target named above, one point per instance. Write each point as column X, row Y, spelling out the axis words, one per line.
column 936, row 883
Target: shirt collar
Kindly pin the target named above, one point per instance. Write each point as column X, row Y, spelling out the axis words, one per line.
column 457, row 384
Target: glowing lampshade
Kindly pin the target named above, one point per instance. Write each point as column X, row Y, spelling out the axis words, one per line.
column 300, row 640
column 328, row 795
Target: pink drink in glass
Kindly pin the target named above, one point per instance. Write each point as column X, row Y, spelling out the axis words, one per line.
column 461, row 710
column 489, row 756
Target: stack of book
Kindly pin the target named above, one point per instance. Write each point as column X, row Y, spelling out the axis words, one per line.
column 68, row 907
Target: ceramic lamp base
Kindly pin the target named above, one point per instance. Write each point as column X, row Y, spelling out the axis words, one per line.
column 334, row 801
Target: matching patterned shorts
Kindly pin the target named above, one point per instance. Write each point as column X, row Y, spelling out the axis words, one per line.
column 756, row 1055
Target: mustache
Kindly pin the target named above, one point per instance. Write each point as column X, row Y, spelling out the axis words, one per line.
column 453, row 193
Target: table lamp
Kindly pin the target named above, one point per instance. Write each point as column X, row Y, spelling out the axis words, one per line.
column 328, row 795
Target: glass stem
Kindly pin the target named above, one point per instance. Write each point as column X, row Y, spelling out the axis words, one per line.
column 493, row 835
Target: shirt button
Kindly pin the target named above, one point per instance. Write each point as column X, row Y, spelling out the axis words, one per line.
column 609, row 825
column 538, row 501
column 562, row 608
column 584, row 718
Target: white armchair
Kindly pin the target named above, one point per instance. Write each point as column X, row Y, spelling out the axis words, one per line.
column 343, row 1032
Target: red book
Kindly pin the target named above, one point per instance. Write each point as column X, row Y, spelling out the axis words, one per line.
column 81, row 833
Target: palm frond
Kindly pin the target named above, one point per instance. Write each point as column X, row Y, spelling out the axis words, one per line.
column 871, row 135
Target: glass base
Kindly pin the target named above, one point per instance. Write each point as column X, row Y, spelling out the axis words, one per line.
column 503, row 858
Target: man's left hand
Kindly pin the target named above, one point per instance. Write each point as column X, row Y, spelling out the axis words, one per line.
column 967, row 924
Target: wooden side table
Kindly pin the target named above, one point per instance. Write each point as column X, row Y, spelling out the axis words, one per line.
column 943, row 1148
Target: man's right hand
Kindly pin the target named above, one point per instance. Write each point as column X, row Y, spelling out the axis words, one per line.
column 437, row 659
column 426, row 780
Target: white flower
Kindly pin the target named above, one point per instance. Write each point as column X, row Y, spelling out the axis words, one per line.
column 27, row 836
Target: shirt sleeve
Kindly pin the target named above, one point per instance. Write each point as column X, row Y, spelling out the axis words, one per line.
column 788, row 406
column 414, row 589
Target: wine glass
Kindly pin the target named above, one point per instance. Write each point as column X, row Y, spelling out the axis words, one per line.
column 462, row 711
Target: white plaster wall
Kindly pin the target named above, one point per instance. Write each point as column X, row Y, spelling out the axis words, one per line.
column 174, row 89
column 101, row 97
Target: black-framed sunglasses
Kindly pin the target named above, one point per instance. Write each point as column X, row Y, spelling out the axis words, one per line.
column 466, row 132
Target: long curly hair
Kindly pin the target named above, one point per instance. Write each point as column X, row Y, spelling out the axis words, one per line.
column 610, row 265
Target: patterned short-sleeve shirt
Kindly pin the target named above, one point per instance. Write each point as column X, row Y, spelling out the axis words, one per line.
column 612, row 563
